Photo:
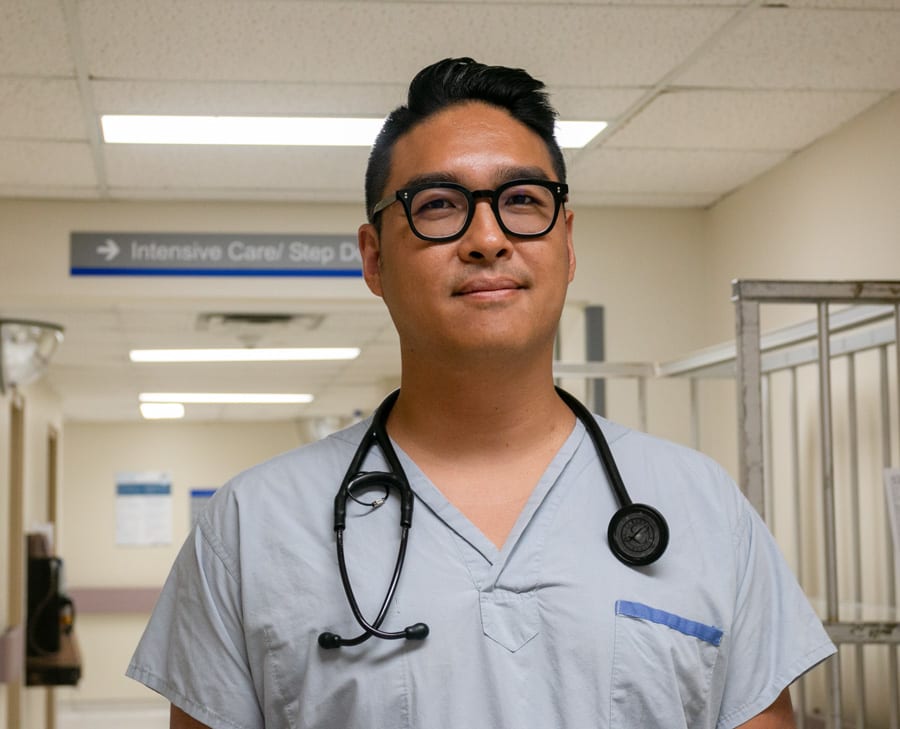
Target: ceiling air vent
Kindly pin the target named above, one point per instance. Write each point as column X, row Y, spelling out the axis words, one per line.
column 255, row 329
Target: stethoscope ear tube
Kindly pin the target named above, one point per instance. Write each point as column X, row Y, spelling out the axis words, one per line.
column 417, row 631
column 638, row 534
column 356, row 480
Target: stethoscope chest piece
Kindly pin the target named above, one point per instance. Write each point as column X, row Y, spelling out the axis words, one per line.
column 638, row 534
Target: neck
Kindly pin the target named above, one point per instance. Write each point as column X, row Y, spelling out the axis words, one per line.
column 483, row 431
column 479, row 408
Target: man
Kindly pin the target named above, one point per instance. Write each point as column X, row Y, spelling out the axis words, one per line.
column 532, row 622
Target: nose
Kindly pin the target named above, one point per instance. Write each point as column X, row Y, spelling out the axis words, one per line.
column 484, row 241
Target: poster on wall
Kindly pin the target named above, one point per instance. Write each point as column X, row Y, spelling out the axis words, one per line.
column 199, row 499
column 143, row 508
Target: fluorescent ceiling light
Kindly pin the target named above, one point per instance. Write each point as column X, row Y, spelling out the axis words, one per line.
column 223, row 398
column 245, row 354
column 576, row 134
column 162, row 410
column 279, row 130
column 255, row 130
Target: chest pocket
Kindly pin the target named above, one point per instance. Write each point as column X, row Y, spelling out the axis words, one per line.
column 509, row 618
column 662, row 669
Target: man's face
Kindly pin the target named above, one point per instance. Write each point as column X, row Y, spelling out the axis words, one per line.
column 485, row 292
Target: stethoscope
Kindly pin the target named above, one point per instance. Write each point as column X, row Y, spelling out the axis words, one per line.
column 637, row 533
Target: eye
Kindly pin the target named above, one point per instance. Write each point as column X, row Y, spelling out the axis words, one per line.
column 526, row 197
column 520, row 198
column 437, row 202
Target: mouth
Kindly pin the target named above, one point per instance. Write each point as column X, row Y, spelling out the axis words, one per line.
column 488, row 287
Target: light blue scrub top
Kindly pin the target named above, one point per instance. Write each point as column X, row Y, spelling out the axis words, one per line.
column 549, row 632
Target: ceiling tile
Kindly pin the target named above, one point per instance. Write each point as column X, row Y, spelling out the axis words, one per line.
column 784, row 48
column 219, row 39
column 33, row 39
column 732, row 119
column 91, row 378
column 668, row 171
column 251, row 98
column 587, row 104
column 41, row 109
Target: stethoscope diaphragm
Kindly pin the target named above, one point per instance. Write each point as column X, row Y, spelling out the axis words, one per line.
column 638, row 534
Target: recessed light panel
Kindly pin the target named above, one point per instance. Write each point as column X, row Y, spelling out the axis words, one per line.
column 284, row 131
column 225, row 398
column 245, row 354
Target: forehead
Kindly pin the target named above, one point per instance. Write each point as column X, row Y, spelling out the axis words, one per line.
column 474, row 143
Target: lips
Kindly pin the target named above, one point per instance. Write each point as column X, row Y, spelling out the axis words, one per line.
column 487, row 285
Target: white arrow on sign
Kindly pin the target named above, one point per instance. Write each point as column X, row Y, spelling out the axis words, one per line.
column 109, row 249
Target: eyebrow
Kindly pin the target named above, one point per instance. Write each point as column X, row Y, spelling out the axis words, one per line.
column 503, row 174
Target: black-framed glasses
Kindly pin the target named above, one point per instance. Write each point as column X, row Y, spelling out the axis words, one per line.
column 442, row 211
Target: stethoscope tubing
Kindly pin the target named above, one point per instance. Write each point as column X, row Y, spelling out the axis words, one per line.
column 637, row 534
column 373, row 628
column 354, row 478
column 600, row 444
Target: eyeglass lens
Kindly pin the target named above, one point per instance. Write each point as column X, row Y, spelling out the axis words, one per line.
column 442, row 212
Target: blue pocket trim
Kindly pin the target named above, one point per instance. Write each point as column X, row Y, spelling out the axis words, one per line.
column 706, row 633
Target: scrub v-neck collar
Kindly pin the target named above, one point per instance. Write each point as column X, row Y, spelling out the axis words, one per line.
column 432, row 498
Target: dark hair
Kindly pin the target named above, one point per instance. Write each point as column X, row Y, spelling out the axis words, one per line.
column 456, row 81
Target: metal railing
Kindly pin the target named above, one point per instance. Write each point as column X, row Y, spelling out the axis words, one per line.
column 787, row 393
column 871, row 325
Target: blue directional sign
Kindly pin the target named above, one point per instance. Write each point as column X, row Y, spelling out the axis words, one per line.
column 213, row 254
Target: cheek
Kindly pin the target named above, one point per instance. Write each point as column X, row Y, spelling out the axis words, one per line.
column 406, row 290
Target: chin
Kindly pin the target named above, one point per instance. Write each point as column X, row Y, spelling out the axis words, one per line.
column 503, row 345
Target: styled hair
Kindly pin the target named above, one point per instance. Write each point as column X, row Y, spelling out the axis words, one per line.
column 457, row 81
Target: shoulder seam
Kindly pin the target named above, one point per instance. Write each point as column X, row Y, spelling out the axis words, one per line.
column 217, row 547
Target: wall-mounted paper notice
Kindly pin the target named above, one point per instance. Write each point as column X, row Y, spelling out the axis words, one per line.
column 892, row 494
column 143, row 508
column 199, row 499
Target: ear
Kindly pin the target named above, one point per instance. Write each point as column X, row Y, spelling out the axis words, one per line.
column 570, row 246
column 370, row 253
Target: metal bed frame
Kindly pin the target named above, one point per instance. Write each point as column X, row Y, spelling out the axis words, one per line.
column 867, row 324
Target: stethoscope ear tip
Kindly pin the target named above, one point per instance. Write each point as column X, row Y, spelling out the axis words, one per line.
column 329, row 640
column 419, row 631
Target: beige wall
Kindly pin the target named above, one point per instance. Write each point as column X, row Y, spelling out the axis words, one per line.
column 635, row 262
column 830, row 212
column 663, row 276
column 200, row 455
column 195, row 455
column 641, row 265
